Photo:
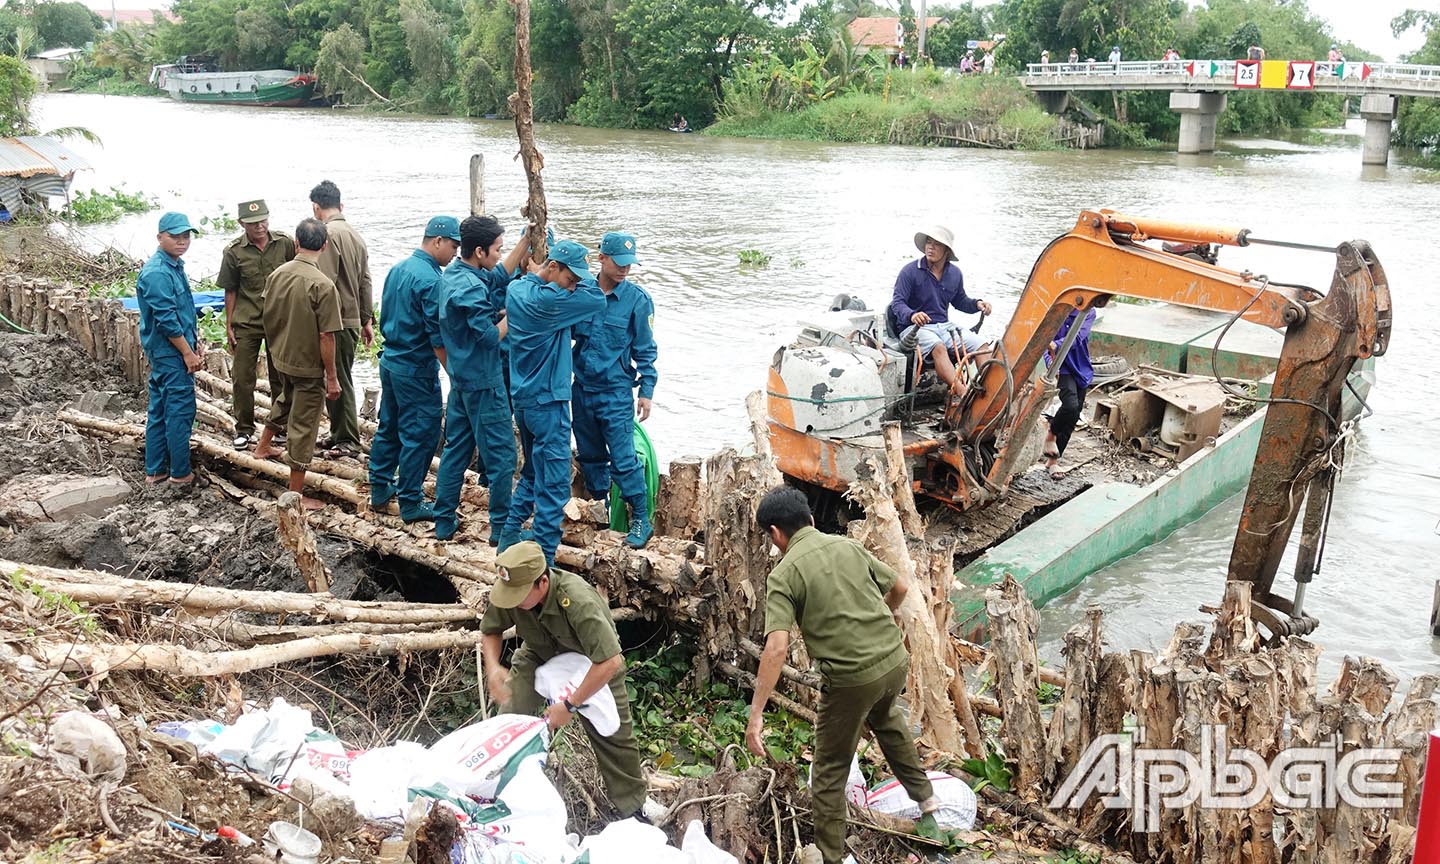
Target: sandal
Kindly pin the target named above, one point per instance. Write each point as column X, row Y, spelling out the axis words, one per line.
column 156, row 480
column 340, row 451
column 194, row 484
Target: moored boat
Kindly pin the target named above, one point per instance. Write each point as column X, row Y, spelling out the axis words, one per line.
column 195, row 80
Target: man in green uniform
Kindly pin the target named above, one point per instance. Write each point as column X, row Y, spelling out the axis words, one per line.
column 844, row 601
column 245, row 265
column 302, row 316
column 553, row 612
column 346, row 262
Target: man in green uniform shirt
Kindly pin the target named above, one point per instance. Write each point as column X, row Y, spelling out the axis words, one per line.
column 302, row 316
column 247, row 262
column 347, row 262
column 554, row 612
column 844, row 601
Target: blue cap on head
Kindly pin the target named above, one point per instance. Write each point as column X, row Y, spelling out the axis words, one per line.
column 621, row 247
column 572, row 255
column 443, row 226
column 176, row 223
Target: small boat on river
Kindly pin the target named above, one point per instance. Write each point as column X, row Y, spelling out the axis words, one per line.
column 195, row 79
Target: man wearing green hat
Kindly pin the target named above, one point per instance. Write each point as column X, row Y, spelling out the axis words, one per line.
column 614, row 353
column 554, row 612
column 410, row 405
column 247, row 262
column 170, row 335
column 541, row 309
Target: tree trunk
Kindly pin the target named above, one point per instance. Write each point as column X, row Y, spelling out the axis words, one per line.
column 522, row 107
column 1017, row 680
column 296, row 536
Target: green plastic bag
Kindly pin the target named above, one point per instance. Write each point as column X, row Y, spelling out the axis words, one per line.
column 645, row 451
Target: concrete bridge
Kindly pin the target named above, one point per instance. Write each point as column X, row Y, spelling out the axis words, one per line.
column 1198, row 89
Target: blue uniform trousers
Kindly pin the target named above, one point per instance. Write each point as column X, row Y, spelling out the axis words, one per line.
column 605, row 445
column 405, row 441
column 170, row 418
column 544, row 485
column 476, row 417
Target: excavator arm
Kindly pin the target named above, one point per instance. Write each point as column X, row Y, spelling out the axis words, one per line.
column 1302, row 444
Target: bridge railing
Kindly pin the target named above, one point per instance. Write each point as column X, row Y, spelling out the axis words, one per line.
column 1224, row 70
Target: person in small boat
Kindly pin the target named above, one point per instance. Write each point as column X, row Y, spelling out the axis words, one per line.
column 1076, row 373
column 679, row 123
column 925, row 291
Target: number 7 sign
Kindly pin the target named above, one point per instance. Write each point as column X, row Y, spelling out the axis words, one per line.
column 1247, row 73
column 1302, row 75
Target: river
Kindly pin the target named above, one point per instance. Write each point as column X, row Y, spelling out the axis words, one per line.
column 840, row 218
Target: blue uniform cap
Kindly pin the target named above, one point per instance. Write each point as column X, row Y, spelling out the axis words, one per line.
column 620, row 247
column 572, row 255
column 176, row 223
column 443, row 226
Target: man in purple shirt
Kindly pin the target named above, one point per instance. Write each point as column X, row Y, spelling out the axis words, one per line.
column 1076, row 373
column 924, row 292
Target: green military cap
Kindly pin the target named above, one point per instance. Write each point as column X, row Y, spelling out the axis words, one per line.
column 254, row 211
column 519, row 568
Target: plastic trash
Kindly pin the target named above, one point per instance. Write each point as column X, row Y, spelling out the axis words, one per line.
column 696, row 843
column 957, row 801
column 291, row 844
column 197, row 732
column 380, row 779
column 630, row 840
column 86, row 745
column 264, row 742
column 477, row 759
column 557, row 679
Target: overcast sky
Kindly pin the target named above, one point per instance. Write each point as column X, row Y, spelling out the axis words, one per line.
column 1364, row 22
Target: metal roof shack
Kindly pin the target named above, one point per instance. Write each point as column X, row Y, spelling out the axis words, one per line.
column 34, row 167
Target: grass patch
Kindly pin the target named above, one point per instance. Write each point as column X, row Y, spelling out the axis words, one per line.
column 113, row 87
column 93, row 207
column 754, row 258
column 55, row 601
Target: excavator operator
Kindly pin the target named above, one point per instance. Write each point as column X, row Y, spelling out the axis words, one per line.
column 925, row 291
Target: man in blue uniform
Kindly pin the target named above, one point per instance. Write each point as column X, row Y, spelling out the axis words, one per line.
column 171, row 339
column 614, row 352
column 1076, row 374
column 541, row 309
column 472, row 325
column 410, row 406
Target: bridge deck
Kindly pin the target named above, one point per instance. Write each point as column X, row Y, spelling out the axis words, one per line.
column 1351, row 78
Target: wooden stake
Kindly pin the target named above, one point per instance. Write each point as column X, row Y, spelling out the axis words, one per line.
column 295, row 534
column 477, row 184
column 522, row 108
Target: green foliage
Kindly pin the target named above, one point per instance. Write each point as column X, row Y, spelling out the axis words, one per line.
column 211, row 321
column 990, row 771
column 17, row 87
column 115, row 288
column 55, row 601
column 220, row 222
column 1047, row 693
column 1419, row 119
column 684, row 731
column 89, row 208
column 341, row 55
column 754, row 258
column 65, row 25
column 129, row 51
column 1074, row 856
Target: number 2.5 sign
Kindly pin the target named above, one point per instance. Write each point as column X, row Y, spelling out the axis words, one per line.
column 1247, row 73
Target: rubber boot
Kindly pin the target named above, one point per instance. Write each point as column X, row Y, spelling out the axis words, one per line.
column 424, row 512
column 446, row 530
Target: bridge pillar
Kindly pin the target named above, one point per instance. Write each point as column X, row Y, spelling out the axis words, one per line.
column 1054, row 101
column 1197, row 119
column 1378, row 109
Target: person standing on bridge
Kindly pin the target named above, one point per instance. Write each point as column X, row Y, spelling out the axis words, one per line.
column 1115, row 58
column 410, row 406
column 1335, row 56
column 614, row 354
column 1074, row 58
column 1045, row 58
column 246, row 263
column 925, row 291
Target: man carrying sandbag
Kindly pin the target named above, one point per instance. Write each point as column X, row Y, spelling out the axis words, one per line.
column 554, row 612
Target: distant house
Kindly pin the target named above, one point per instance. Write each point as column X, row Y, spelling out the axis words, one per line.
column 49, row 67
column 882, row 33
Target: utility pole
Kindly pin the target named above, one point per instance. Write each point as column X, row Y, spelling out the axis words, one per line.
column 920, row 38
column 113, row 25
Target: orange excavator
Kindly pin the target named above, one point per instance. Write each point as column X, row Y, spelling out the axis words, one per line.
column 830, row 392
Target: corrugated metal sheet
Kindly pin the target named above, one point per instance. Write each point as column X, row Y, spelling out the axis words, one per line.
column 31, row 155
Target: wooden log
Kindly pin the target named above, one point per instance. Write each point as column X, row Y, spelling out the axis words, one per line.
column 477, row 184
column 521, row 103
column 977, row 656
column 1235, row 631
column 736, row 548
column 931, row 705
column 1072, row 726
column 897, row 473
column 189, row 663
column 1408, row 730
column 760, row 435
column 230, row 629
column 296, row 536
column 680, row 504
column 90, row 586
column 1012, row 625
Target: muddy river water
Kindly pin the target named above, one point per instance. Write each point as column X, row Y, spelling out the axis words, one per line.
column 839, row 218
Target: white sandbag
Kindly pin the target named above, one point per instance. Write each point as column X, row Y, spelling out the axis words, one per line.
column 264, row 741
column 530, row 815
column 476, row 759
column 380, row 779
column 557, row 679
column 697, row 845
column 629, row 841
column 855, row 789
column 957, row 801
column 322, row 760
